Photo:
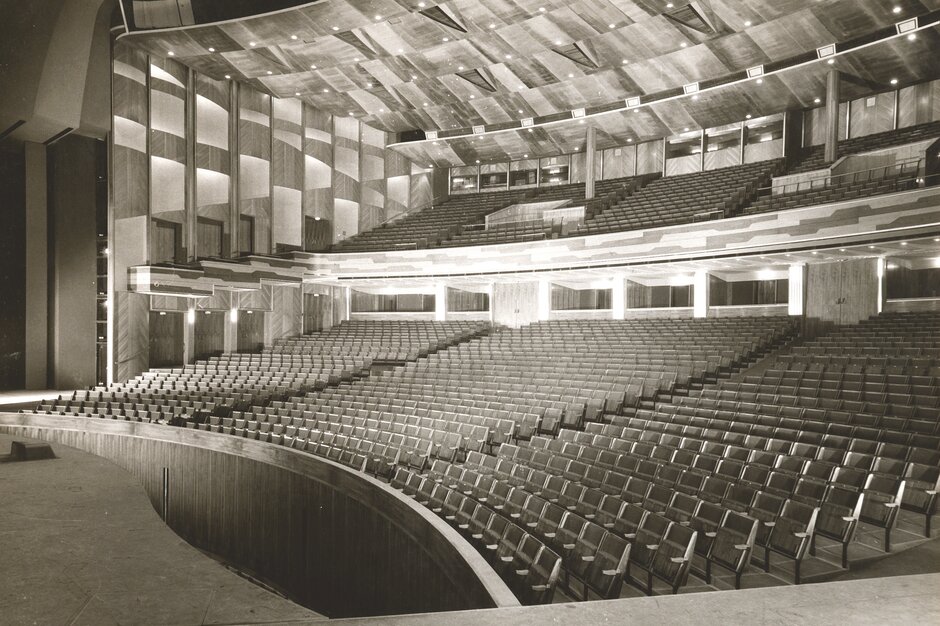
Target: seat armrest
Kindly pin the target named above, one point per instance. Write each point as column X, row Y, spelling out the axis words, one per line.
column 848, row 518
column 891, row 505
column 801, row 535
column 531, row 524
column 711, row 534
column 678, row 559
column 931, row 492
column 506, row 559
column 741, row 546
column 463, row 526
column 522, row 572
column 477, row 535
column 652, row 547
column 515, row 515
column 567, row 546
column 550, row 535
column 539, row 587
column 587, row 559
column 630, row 536
column 770, row 524
column 610, row 572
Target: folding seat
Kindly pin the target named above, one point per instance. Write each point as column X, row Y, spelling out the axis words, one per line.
column 662, row 549
column 589, row 503
column 838, row 519
column 567, row 533
column 657, row 498
column 713, row 489
column 578, row 559
column 690, row 483
column 503, row 549
column 550, row 519
column 883, row 496
column 731, row 545
column 681, row 508
column 921, row 484
column 630, row 518
column 607, row 512
column 538, row 585
column 765, row 508
column 885, row 466
column 850, row 478
column 791, row 533
column 636, row 490
column 740, row 496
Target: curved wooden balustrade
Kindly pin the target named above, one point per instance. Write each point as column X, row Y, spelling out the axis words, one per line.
column 328, row 537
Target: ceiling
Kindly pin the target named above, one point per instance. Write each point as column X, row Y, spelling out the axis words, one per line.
column 419, row 64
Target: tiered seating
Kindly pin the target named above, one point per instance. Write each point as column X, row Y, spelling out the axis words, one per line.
column 430, row 226
column 902, row 177
column 814, row 157
column 550, row 374
column 686, row 198
column 508, row 233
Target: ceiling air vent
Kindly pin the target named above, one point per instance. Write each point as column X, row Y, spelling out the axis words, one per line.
column 690, row 17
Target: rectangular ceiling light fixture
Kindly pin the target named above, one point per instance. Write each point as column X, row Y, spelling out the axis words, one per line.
column 826, row 51
column 633, row 102
column 690, row 88
column 431, row 134
column 754, row 72
column 907, row 26
column 478, row 130
column 577, row 113
column 527, row 122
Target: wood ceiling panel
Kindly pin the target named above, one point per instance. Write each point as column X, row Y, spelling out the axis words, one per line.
column 404, row 55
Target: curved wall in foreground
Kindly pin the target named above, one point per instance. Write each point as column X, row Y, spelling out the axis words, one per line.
column 330, row 538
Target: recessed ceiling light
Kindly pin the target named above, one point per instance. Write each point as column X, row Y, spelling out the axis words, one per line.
column 695, row 96
column 624, row 61
column 252, row 43
column 296, row 93
column 355, row 59
column 478, row 160
column 912, row 37
column 558, row 42
column 228, row 76
column 270, row 72
column 541, row 9
column 525, row 156
column 420, row 4
column 521, row 86
column 686, row 129
column 336, row 28
column 425, row 104
column 683, row 44
column 171, row 53
column 294, row 37
column 903, row 243
column 894, row 81
column 629, row 139
column 817, row 100
column 570, row 75
column 841, row 249
column 413, row 77
column 211, row 49
column 378, row 17
column 472, row 96
column 351, row 113
column 313, row 67
column 748, row 116
column 381, row 110
column 871, row 247
column 831, row 61
column 668, row 5
column 747, row 23
column 492, row 26
column 460, row 68
column 368, row 85
column 896, row 10
column 760, row 81
column 508, row 56
column 612, row 25
column 326, row 91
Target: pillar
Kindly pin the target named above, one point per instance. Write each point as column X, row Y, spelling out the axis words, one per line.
column 700, row 294
column 230, row 332
column 832, row 115
column 37, row 268
column 189, row 336
column 590, row 155
column 440, row 302
column 796, row 283
column 618, row 298
column 544, row 300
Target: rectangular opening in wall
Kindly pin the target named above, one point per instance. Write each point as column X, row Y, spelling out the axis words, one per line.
column 744, row 290
column 209, row 238
column 464, row 179
column 317, row 234
column 167, row 242
column 494, row 176
column 363, row 302
column 723, row 147
column 554, row 171
column 764, row 139
column 524, row 173
column 568, row 299
column 684, row 154
column 912, row 277
column 246, row 234
column 460, row 301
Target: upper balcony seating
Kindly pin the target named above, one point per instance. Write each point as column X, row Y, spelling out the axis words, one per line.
column 814, row 157
column 851, row 186
column 713, row 194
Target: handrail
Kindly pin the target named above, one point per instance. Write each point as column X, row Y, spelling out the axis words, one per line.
column 898, row 168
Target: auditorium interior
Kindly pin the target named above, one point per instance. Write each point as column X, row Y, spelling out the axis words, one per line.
column 469, row 311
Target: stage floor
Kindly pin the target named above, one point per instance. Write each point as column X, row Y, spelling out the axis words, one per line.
column 81, row 544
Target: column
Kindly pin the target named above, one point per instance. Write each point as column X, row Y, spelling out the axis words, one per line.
column 832, row 115
column 544, row 300
column 590, row 155
column 440, row 302
column 700, row 294
column 189, row 336
column 618, row 298
column 230, row 332
column 796, row 282
column 37, row 268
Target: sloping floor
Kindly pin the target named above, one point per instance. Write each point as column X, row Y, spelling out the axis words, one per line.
column 81, row 544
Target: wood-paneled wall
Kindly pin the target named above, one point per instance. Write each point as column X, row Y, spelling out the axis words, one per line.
column 330, row 538
column 166, row 339
column 844, row 292
column 515, row 304
column 209, row 334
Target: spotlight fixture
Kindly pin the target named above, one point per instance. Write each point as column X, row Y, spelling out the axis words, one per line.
column 894, row 81
column 211, row 49
column 171, row 53
column 294, row 37
column 817, row 100
column 252, row 43
column 228, row 76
